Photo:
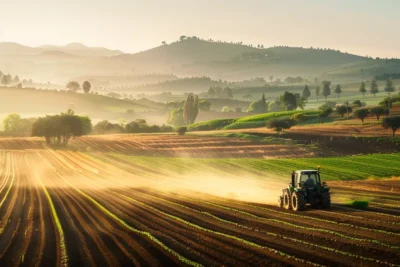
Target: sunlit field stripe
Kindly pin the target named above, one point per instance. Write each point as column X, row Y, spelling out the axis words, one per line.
column 64, row 257
column 10, row 167
column 123, row 223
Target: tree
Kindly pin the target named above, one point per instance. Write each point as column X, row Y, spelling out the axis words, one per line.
column 4, row 80
column 392, row 123
column 190, row 109
column 338, row 91
column 183, row 37
column 317, row 91
column 378, row 111
column 247, row 97
column 9, row 78
column 16, row 79
column 211, row 92
column 175, row 117
column 289, row 100
column 259, row 106
column 362, row 89
column 275, row 106
column 105, row 127
column 341, row 110
column 58, row 129
column 204, row 105
column 389, row 88
column 324, row 114
column 172, row 105
column 16, row 124
column 87, row 126
column 73, row 86
column 374, row 89
column 306, row 92
column 227, row 93
column 181, row 130
column 86, row 86
column 271, row 78
column 361, row 113
column 280, row 125
column 326, row 90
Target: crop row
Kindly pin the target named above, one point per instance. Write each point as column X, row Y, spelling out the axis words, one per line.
column 260, row 231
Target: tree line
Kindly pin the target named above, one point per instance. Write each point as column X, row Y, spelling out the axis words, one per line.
column 75, row 86
column 7, row 79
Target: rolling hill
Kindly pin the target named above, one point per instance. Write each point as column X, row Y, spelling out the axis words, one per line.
column 191, row 57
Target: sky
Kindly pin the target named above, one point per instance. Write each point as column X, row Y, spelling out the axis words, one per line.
column 363, row 27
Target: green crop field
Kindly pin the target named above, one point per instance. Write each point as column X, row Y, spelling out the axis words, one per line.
column 338, row 168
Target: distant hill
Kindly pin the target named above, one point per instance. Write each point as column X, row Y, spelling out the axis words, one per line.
column 76, row 49
column 179, row 53
column 79, row 49
column 195, row 57
column 32, row 103
column 191, row 57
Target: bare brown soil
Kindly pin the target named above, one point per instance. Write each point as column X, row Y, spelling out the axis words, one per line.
column 63, row 208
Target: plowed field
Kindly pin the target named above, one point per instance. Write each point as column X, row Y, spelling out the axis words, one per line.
column 61, row 208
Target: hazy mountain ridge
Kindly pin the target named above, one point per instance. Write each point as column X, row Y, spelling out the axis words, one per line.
column 187, row 58
column 76, row 49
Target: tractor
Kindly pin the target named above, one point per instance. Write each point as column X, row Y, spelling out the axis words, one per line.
column 306, row 187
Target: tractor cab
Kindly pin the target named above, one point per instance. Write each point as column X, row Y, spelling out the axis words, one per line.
column 305, row 187
column 306, row 179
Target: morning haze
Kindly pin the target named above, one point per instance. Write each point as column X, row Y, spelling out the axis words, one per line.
column 199, row 133
column 133, row 26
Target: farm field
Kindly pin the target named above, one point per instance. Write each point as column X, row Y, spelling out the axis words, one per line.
column 89, row 208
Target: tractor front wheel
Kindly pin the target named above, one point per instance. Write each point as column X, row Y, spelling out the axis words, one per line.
column 326, row 200
column 298, row 201
column 286, row 200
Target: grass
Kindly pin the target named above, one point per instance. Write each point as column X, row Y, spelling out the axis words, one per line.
column 254, row 121
column 358, row 204
column 210, row 125
column 273, row 115
column 245, row 125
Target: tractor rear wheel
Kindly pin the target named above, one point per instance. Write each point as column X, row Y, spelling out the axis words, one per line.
column 280, row 202
column 286, row 200
column 298, row 201
column 326, row 200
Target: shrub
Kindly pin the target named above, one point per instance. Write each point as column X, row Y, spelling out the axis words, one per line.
column 327, row 105
column 392, row 123
column 280, row 125
column 361, row 113
column 358, row 103
column 299, row 117
column 343, row 110
column 106, row 127
column 225, row 109
column 325, row 114
column 181, row 130
column 359, row 204
column 378, row 111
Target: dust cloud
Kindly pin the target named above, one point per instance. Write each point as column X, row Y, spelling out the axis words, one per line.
column 242, row 186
